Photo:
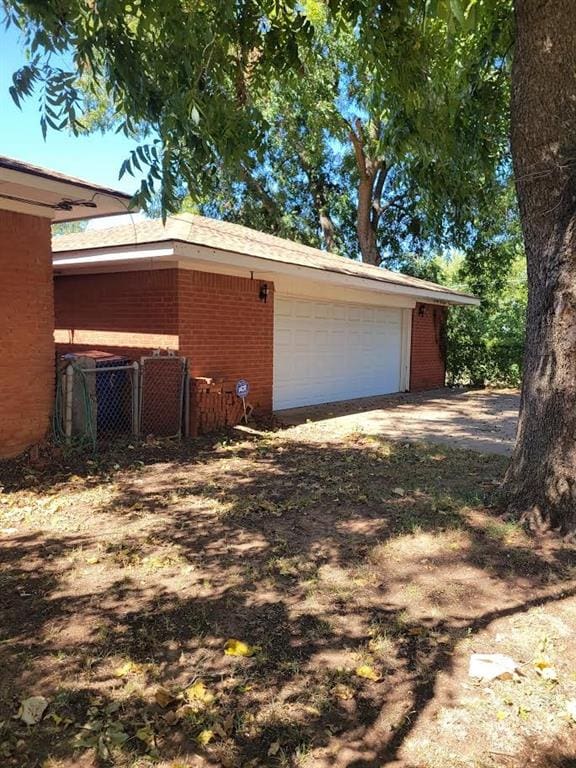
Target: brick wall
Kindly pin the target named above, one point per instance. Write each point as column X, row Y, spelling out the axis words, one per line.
column 226, row 331
column 127, row 313
column 427, row 357
column 26, row 323
column 217, row 321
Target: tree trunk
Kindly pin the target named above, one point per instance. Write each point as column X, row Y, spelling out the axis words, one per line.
column 540, row 483
column 327, row 228
column 364, row 229
column 367, row 173
column 318, row 188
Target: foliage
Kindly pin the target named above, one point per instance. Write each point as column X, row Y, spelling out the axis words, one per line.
column 352, row 159
column 183, row 68
column 299, row 114
column 485, row 344
column 69, row 227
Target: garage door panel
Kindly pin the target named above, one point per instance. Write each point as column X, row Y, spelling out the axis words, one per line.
column 326, row 351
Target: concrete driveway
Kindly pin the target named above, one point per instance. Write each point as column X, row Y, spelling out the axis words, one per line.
column 481, row 420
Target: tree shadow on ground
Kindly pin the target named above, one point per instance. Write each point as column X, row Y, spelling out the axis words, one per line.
column 312, row 553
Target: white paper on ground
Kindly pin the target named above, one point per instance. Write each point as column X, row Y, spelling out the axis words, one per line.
column 492, row 666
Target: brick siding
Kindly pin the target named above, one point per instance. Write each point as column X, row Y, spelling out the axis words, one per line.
column 217, row 321
column 27, row 323
column 427, row 356
column 227, row 332
column 126, row 313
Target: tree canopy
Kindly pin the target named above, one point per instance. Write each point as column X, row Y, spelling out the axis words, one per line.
column 335, row 122
column 352, row 161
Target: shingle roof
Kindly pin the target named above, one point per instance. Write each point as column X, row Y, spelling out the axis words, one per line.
column 224, row 236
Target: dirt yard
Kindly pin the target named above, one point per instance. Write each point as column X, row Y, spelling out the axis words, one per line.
column 281, row 600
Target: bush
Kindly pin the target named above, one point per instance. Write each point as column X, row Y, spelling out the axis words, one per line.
column 485, row 344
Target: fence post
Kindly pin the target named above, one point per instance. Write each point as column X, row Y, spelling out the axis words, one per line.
column 135, row 399
column 186, row 403
column 69, row 400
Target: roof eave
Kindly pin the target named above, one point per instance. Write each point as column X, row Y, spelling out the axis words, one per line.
column 35, row 191
column 257, row 266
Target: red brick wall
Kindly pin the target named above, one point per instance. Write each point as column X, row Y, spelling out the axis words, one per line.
column 226, row 331
column 218, row 321
column 127, row 313
column 26, row 331
column 427, row 357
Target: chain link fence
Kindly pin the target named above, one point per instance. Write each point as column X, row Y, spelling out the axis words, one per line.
column 162, row 393
column 100, row 398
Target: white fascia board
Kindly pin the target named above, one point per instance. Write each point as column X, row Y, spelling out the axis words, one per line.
column 298, row 287
column 202, row 258
column 406, row 350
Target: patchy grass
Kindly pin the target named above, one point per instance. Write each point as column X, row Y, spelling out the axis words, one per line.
column 122, row 578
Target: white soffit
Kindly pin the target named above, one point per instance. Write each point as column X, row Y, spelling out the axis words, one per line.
column 36, row 191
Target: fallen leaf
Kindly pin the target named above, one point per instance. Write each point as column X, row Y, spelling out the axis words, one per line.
column 128, row 668
column 205, row 737
column 32, row 709
column 399, row 491
column 367, row 672
column 198, row 696
column 238, row 648
column 273, row 749
column 199, row 691
column 501, row 714
column 164, row 697
column 343, row 692
column 545, row 669
column 145, row 734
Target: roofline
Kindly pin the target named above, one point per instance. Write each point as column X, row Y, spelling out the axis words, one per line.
column 121, row 253
column 18, row 166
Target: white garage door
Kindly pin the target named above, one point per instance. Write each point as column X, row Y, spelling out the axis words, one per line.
column 326, row 351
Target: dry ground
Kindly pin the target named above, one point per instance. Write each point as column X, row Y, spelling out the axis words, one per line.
column 123, row 577
column 478, row 419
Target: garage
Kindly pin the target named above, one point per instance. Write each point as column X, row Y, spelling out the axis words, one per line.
column 327, row 351
column 300, row 325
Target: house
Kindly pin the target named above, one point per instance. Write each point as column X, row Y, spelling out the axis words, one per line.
column 31, row 199
column 302, row 326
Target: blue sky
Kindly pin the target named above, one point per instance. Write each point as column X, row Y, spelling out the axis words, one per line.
column 96, row 158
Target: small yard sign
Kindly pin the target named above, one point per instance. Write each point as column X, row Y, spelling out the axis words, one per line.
column 242, row 388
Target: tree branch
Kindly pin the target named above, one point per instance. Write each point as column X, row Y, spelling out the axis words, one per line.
column 358, row 145
column 266, row 198
column 377, row 190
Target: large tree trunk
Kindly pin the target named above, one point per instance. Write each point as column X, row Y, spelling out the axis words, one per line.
column 368, row 174
column 364, row 229
column 541, row 481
